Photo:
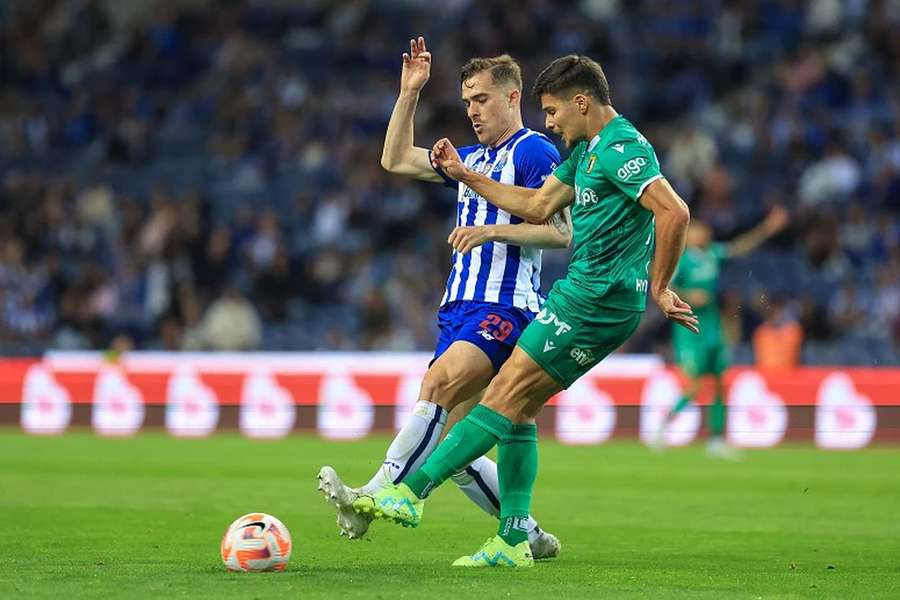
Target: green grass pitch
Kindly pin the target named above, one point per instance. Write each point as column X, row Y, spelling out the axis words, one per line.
column 142, row 517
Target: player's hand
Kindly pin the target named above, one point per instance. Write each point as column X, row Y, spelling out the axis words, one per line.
column 464, row 239
column 677, row 310
column 416, row 66
column 777, row 219
column 445, row 157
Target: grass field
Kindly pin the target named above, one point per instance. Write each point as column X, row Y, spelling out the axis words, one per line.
column 142, row 517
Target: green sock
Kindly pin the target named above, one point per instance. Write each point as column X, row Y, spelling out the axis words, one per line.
column 681, row 404
column 470, row 438
column 517, row 465
column 717, row 417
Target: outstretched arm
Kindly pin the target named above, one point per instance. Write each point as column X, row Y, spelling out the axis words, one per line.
column 534, row 205
column 555, row 233
column 775, row 221
column 400, row 154
column 671, row 216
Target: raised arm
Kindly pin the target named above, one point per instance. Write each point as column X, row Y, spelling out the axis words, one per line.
column 534, row 205
column 775, row 221
column 671, row 216
column 400, row 155
column 555, row 233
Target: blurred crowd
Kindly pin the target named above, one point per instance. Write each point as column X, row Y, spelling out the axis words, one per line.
column 205, row 175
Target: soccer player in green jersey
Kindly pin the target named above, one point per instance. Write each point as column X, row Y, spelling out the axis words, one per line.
column 697, row 280
column 620, row 202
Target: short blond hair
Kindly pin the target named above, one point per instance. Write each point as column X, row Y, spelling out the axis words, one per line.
column 504, row 70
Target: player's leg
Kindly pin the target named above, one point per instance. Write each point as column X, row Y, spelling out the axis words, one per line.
column 689, row 357
column 518, row 391
column 560, row 347
column 717, row 446
column 459, row 372
column 476, row 339
column 480, row 482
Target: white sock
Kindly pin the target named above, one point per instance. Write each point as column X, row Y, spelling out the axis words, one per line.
column 480, row 483
column 414, row 443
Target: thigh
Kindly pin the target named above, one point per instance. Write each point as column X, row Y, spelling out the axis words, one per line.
column 460, row 372
column 690, row 358
column 719, row 359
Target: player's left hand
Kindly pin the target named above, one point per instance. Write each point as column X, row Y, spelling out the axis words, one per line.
column 677, row 310
column 777, row 219
column 445, row 157
column 464, row 239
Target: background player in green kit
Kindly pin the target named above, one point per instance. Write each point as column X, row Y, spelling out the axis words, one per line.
column 697, row 281
column 620, row 202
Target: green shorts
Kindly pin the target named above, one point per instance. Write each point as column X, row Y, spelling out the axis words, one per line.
column 567, row 339
column 700, row 357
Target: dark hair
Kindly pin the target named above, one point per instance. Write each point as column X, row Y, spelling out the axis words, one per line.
column 503, row 68
column 570, row 75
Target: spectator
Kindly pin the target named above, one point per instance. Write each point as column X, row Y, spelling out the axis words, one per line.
column 137, row 147
column 231, row 323
column 778, row 340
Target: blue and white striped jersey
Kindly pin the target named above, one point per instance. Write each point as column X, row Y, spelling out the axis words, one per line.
column 497, row 272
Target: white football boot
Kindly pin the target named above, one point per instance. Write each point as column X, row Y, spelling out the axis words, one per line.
column 545, row 545
column 341, row 497
column 717, row 447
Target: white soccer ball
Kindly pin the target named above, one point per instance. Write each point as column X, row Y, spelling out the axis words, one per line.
column 256, row 542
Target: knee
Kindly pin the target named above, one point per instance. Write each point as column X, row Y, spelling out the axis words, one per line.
column 442, row 387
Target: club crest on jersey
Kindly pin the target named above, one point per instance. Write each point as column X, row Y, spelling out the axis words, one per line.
column 501, row 161
column 590, row 165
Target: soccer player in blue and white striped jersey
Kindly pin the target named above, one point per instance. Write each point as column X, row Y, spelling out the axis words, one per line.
column 494, row 287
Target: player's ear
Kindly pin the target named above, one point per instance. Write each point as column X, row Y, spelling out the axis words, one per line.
column 582, row 102
column 514, row 97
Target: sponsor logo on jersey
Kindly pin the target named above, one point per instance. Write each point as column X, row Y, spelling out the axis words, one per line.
column 483, row 333
column 585, row 196
column 582, row 356
column 620, row 148
column 631, row 167
column 548, row 345
column 470, row 194
column 545, row 317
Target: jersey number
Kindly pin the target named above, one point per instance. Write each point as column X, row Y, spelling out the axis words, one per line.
column 497, row 327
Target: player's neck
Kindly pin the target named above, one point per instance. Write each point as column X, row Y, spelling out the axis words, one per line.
column 600, row 118
column 507, row 133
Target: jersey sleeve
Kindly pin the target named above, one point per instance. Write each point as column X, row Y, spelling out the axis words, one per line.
column 536, row 158
column 463, row 153
column 630, row 165
column 719, row 251
column 566, row 171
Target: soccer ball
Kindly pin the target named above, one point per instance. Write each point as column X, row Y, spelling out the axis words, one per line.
column 256, row 542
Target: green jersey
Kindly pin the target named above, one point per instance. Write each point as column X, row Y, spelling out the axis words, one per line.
column 699, row 269
column 612, row 232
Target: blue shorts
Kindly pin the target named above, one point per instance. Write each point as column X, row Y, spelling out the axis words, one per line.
column 494, row 328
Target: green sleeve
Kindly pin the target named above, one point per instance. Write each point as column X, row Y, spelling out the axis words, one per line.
column 719, row 251
column 631, row 165
column 566, row 171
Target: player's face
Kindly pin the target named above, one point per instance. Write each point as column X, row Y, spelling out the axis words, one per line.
column 698, row 235
column 563, row 117
column 492, row 109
